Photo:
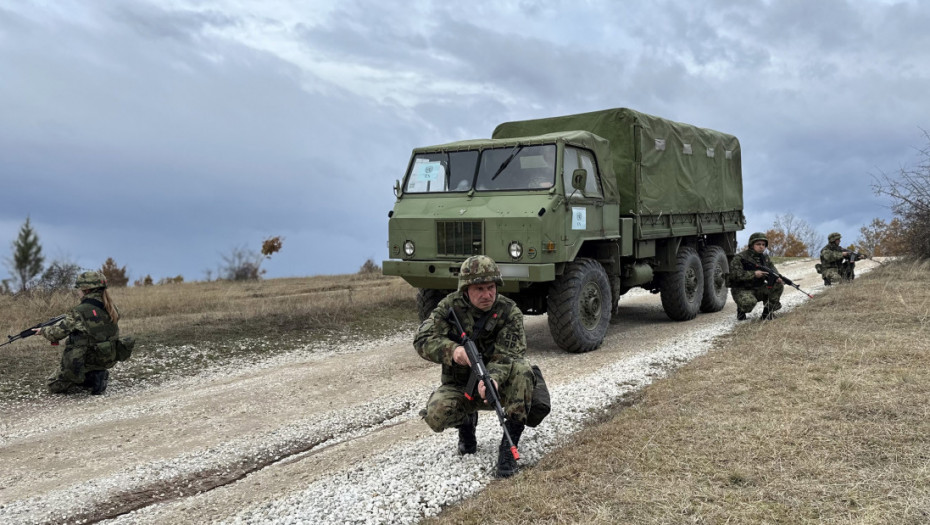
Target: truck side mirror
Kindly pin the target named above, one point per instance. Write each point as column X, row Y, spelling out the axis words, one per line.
column 580, row 179
column 397, row 191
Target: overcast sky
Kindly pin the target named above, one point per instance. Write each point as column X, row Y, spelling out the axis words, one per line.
column 167, row 133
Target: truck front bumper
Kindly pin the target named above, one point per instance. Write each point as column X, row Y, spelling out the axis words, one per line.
column 444, row 275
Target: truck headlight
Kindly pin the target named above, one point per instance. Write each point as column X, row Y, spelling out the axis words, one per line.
column 516, row 249
column 409, row 248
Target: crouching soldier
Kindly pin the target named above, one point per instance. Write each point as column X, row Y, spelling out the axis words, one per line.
column 749, row 286
column 835, row 264
column 93, row 343
column 495, row 324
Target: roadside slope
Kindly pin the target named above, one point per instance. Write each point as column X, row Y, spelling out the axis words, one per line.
column 818, row 417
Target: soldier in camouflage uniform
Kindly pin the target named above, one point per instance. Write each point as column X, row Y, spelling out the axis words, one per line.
column 495, row 324
column 748, row 286
column 835, row 265
column 92, row 335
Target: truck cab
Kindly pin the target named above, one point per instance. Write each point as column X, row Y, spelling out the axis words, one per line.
column 528, row 203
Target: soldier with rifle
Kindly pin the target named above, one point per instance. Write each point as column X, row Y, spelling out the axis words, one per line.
column 477, row 336
column 750, row 284
column 92, row 338
column 837, row 264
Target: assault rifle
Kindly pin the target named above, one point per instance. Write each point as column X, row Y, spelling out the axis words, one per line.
column 855, row 256
column 480, row 373
column 772, row 276
column 29, row 331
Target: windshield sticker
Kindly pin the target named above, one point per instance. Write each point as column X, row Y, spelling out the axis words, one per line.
column 579, row 218
column 427, row 176
column 428, row 171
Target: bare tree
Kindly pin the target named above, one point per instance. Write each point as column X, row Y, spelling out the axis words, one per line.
column 909, row 191
column 241, row 264
column 370, row 267
column 800, row 239
column 60, row 275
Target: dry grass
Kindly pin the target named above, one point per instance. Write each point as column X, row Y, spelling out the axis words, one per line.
column 232, row 319
column 819, row 417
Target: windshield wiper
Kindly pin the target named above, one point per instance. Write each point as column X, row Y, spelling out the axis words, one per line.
column 503, row 166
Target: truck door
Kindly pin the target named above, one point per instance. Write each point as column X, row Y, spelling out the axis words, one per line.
column 586, row 218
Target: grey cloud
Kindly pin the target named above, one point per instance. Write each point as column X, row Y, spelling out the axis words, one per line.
column 152, row 21
column 200, row 142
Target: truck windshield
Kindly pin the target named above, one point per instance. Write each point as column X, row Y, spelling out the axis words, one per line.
column 529, row 168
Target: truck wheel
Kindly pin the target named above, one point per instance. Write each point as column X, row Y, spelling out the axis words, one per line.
column 716, row 267
column 427, row 300
column 683, row 289
column 579, row 306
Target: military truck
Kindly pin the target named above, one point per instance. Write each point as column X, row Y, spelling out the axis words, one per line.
column 577, row 210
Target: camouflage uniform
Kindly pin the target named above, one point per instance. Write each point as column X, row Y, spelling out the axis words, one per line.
column 502, row 344
column 833, row 268
column 746, row 288
column 91, row 345
column 498, row 334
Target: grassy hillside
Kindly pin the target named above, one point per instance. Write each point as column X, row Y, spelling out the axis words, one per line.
column 818, row 417
column 185, row 327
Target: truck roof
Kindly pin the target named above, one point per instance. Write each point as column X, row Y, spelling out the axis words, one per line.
column 659, row 165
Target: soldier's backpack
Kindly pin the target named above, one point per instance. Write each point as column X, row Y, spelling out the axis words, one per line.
column 124, row 346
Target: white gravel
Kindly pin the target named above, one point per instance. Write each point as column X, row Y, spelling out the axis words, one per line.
column 403, row 484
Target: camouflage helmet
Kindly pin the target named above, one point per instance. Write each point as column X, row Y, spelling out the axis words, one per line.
column 834, row 237
column 479, row 269
column 758, row 236
column 90, row 280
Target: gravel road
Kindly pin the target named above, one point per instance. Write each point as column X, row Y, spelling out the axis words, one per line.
column 317, row 437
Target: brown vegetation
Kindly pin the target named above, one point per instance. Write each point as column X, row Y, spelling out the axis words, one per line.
column 792, row 237
column 881, row 239
column 818, row 417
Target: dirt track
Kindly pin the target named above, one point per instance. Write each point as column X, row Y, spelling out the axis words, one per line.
column 201, row 450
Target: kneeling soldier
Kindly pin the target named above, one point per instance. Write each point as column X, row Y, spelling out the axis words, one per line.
column 495, row 324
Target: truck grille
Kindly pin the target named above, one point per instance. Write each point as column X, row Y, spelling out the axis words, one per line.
column 458, row 237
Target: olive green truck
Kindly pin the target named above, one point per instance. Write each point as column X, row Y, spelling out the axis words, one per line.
column 576, row 210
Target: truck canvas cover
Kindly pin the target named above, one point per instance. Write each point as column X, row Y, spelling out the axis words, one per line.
column 660, row 166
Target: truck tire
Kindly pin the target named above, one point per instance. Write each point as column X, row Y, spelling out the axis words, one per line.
column 716, row 266
column 427, row 300
column 579, row 306
column 683, row 290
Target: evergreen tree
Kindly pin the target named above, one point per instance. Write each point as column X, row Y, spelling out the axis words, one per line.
column 116, row 276
column 27, row 259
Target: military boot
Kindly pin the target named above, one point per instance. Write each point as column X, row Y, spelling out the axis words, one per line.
column 767, row 315
column 468, row 444
column 99, row 380
column 506, row 464
column 826, row 282
column 740, row 315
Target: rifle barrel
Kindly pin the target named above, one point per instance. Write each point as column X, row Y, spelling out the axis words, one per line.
column 480, row 372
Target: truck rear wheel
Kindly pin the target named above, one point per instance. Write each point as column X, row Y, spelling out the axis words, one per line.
column 716, row 267
column 683, row 290
column 427, row 300
column 579, row 306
